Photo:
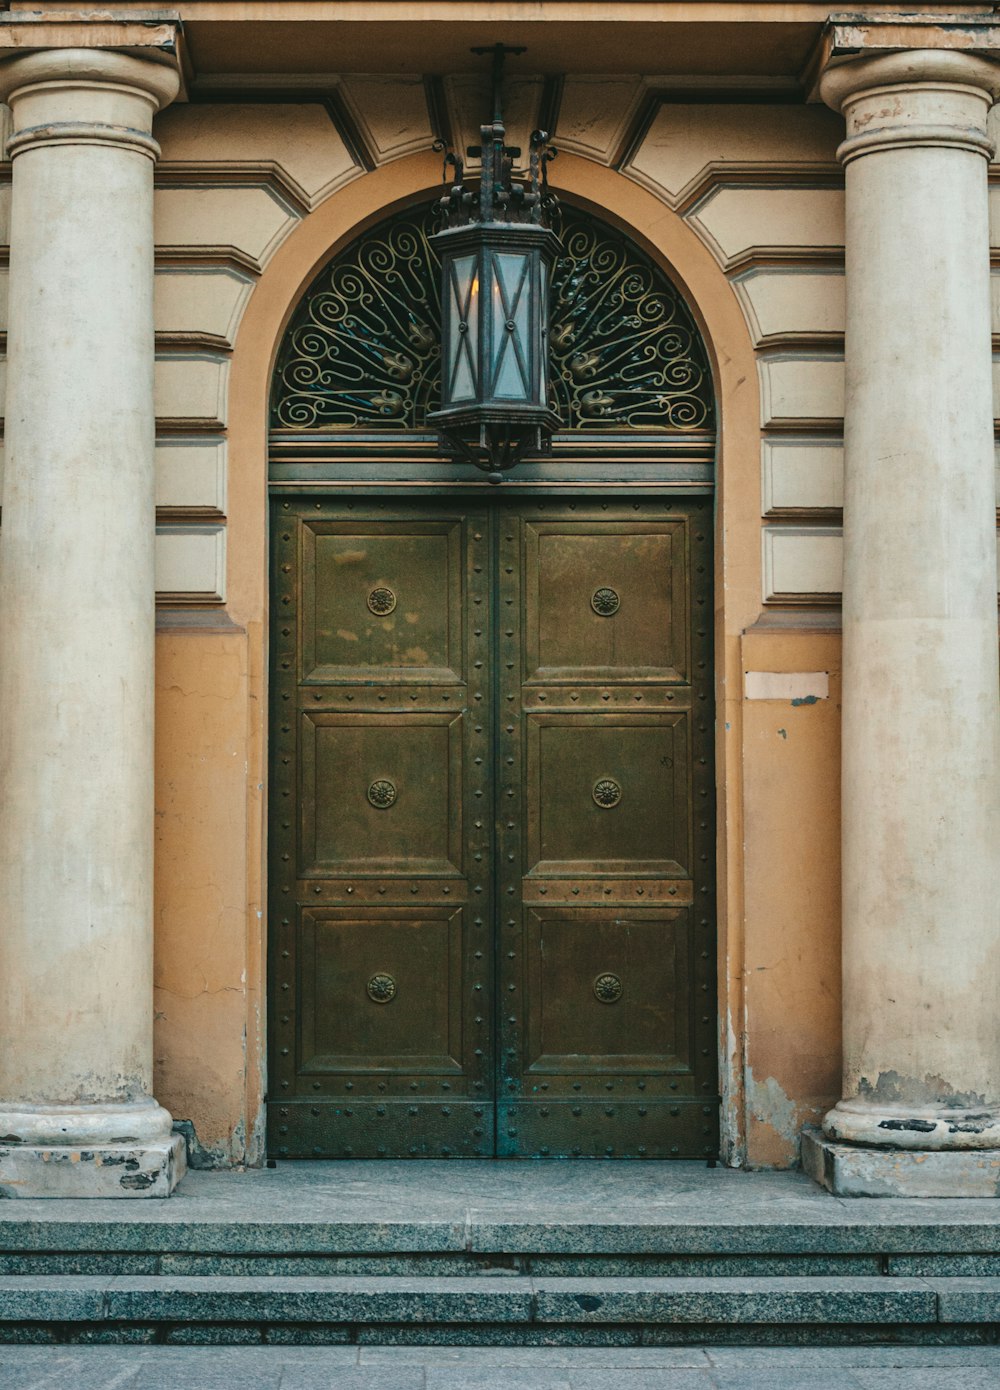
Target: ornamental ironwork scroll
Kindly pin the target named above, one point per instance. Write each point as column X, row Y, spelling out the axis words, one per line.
column 363, row 348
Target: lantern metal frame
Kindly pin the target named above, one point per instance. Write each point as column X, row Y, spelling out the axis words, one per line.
column 497, row 254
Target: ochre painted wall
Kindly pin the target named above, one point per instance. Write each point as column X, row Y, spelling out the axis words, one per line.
column 791, row 820
column 207, row 1034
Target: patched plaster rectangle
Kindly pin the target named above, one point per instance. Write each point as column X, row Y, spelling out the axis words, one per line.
column 800, row 687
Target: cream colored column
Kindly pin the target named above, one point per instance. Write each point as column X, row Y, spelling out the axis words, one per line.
column 77, row 1115
column 921, row 834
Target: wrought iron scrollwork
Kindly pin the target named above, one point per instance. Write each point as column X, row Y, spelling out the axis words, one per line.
column 363, row 349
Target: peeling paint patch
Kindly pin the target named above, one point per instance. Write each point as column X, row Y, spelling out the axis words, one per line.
column 769, row 1104
column 208, row 1156
column 776, row 1119
column 800, row 687
column 892, row 1088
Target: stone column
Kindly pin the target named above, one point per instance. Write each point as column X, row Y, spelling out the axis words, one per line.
column 921, row 945
column 77, row 1117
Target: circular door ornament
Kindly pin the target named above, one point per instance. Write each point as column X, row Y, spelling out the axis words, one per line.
column 381, row 988
column 382, row 793
column 381, row 600
column 605, row 602
column 608, row 988
column 607, row 793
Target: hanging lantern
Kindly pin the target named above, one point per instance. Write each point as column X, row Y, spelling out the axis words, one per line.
column 497, row 255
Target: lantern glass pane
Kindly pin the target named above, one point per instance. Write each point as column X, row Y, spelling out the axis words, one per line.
column 463, row 310
column 511, row 326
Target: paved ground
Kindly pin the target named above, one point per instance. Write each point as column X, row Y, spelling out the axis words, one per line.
column 485, row 1368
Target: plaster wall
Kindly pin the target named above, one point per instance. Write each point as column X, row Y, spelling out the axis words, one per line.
column 744, row 205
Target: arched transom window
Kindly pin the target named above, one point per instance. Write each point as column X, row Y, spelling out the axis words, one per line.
column 362, row 351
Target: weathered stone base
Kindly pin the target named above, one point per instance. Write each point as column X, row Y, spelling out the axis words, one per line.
column 850, row 1171
column 150, row 1169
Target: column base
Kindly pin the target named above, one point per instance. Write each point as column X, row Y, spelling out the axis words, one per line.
column 149, row 1169
column 847, row 1170
column 896, row 1125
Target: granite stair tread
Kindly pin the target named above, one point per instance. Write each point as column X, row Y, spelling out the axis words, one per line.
column 518, row 1299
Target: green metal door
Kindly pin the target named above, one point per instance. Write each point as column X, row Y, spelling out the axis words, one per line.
column 491, row 828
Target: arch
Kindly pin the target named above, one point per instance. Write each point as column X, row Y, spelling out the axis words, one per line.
column 663, row 235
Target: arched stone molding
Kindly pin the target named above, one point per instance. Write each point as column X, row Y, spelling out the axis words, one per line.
column 665, row 236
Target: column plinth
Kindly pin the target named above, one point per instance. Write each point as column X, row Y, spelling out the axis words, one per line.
column 921, row 715
column 77, row 1116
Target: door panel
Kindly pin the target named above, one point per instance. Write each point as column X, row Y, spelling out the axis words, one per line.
column 492, row 924
column 381, row 972
column 387, row 595
column 381, row 793
column 634, row 620
column 607, row 793
column 606, row 959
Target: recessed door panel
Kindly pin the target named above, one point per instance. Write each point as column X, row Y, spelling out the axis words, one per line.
column 491, row 829
column 605, row 599
column 607, row 793
column 606, row 992
column 381, row 793
column 383, row 596
column 363, row 979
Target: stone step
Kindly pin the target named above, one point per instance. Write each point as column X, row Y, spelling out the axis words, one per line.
column 841, row 1239
column 475, row 1264
column 37, row 1227
column 519, row 1307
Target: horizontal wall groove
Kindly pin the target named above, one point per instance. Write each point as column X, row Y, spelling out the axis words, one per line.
column 774, row 174
column 802, row 339
column 230, row 173
column 802, row 257
column 802, row 424
column 168, row 426
column 194, row 516
column 176, row 342
column 200, row 257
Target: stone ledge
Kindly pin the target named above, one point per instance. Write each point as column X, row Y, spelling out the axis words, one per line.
column 151, row 1169
column 848, row 1170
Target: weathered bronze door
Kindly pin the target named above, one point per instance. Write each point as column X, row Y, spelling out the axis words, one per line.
column 492, row 886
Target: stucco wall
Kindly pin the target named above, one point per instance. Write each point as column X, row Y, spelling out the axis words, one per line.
column 744, row 203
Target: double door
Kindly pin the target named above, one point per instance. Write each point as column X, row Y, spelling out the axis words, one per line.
column 491, row 924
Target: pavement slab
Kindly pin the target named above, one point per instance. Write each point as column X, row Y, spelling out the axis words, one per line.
column 516, row 1368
